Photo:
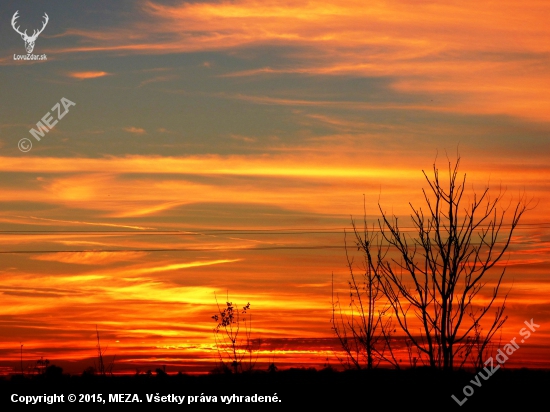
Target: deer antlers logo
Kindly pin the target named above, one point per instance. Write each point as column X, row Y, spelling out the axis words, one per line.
column 29, row 40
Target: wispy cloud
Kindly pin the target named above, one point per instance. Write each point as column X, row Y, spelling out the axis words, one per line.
column 135, row 130
column 91, row 258
column 158, row 79
column 176, row 266
column 77, row 222
column 88, row 75
column 420, row 48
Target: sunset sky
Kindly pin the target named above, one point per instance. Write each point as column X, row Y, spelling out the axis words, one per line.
column 221, row 148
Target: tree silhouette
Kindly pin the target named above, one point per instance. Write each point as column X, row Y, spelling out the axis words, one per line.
column 365, row 328
column 100, row 368
column 236, row 349
column 438, row 274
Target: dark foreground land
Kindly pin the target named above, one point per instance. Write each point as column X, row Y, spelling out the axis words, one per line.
column 388, row 389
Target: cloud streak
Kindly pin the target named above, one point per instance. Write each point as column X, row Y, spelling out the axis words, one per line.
column 87, row 75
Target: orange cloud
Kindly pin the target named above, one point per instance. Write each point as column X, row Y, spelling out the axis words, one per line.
column 135, row 130
column 476, row 58
column 91, row 258
column 79, row 222
column 291, row 181
column 88, row 75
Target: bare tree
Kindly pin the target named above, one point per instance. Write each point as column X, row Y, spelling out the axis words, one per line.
column 236, row 349
column 434, row 283
column 100, row 364
column 101, row 369
column 364, row 329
